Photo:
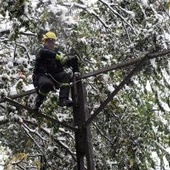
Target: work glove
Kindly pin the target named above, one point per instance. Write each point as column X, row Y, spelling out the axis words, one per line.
column 73, row 62
column 68, row 61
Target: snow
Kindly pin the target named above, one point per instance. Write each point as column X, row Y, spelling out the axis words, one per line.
column 13, row 90
column 167, row 36
column 144, row 2
column 70, row 20
column 3, row 157
column 158, row 162
column 153, row 63
column 2, row 118
column 89, row 2
column 110, row 88
column 148, row 86
column 28, row 87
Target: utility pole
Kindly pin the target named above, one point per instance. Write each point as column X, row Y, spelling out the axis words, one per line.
column 82, row 134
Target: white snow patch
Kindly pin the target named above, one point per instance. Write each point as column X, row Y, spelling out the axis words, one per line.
column 153, row 63
column 28, row 87
column 144, row 2
column 110, row 88
column 2, row 118
column 167, row 36
column 148, row 86
column 164, row 105
column 13, row 90
column 88, row 2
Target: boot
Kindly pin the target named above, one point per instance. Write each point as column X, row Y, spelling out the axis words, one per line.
column 65, row 102
column 63, row 97
column 39, row 100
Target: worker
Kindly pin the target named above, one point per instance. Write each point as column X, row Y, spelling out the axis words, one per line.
column 49, row 72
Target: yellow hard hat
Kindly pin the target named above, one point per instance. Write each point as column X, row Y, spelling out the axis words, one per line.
column 49, row 35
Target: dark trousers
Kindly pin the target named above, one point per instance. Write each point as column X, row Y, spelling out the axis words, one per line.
column 47, row 83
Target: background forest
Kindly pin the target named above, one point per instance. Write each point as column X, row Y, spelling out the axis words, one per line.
column 133, row 131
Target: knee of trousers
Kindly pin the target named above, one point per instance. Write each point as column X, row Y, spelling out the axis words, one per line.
column 46, row 87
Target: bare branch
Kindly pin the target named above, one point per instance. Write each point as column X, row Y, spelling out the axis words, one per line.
column 34, row 132
column 4, row 32
column 61, row 144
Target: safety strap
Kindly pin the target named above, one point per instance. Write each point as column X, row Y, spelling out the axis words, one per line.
column 60, row 84
column 49, row 75
column 64, row 84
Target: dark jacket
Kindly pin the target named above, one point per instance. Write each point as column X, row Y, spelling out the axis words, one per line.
column 46, row 62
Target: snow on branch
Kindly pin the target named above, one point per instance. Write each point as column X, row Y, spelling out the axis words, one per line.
column 64, row 146
column 61, row 144
column 116, row 13
column 162, row 148
column 124, row 64
column 34, row 132
column 25, row 48
column 27, row 131
column 86, row 8
column 3, row 120
column 123, row 83
column 39, row 114
column 19, row 95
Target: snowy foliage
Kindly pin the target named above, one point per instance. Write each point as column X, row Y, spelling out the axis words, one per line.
column 133, row 131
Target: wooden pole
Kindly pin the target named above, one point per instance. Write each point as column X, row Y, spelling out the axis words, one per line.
column 82, row 135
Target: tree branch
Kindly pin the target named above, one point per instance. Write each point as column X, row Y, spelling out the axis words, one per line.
column 116, row 13
column 31, row 137
column 122, row 84
column 52, row 136
column 15, row 96
column 91, row 12
column 39, row 114
column 124, row 64
column 25, row 48
column 62, row 145
column 2, row 122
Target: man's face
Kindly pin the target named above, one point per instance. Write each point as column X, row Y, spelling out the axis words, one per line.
column 50, row 43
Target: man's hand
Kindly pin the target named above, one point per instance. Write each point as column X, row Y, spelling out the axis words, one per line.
column 73, row 62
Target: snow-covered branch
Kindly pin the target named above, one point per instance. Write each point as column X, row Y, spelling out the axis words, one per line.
column 102, row 134
column 86, row 8
column 32, row 138
column 34, row 132
column 52, row 136
column 116, row 13
column 25, row 48
column 3, row 120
